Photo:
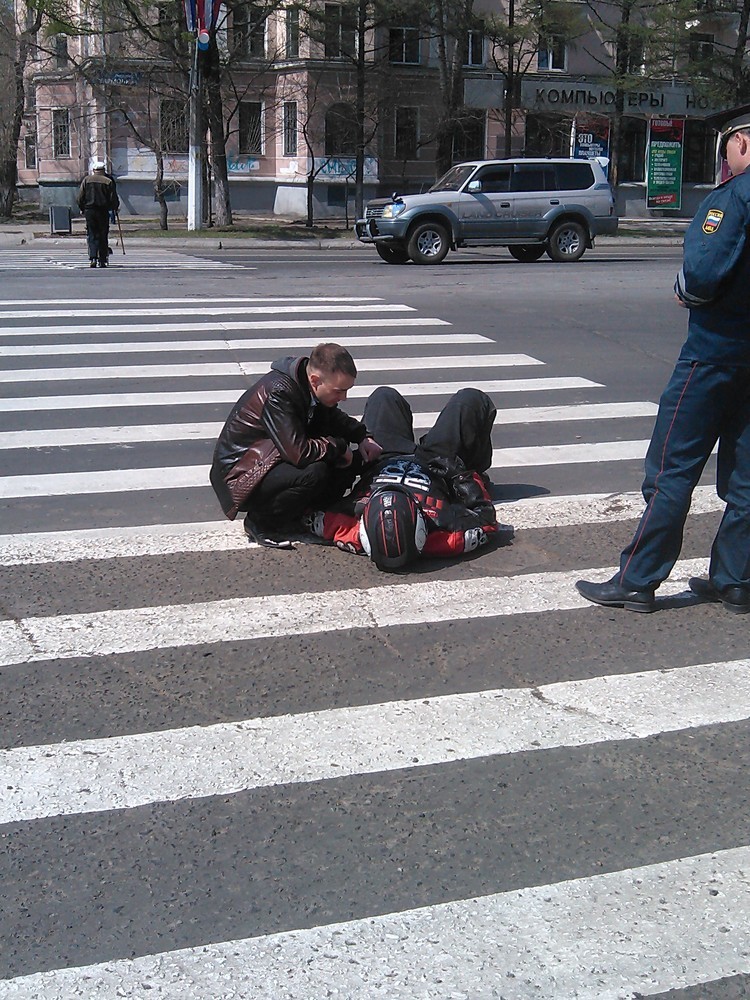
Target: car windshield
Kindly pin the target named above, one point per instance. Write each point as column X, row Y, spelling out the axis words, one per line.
column 455, row 177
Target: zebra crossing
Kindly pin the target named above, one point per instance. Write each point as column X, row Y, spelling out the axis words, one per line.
column 73, row 257
column 230, row 775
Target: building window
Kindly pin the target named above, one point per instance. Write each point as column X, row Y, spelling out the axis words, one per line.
column 251, row 127
column 173, row 126
column 62, row 56
column 341, row 130
column 700, row 47
column 547, row 135
column 339, row 28
column 29, row 143
column 636, row 62
column 468, row 142
column 699, row 153
column 406, row 139
column 249, row 30
column 701, row 53
column 61, row 133
column 290, row 128
column 292, row 32
column 475, row 48
column 172, row 36
column 633, row 150
column 403, row 43
column 552, row 54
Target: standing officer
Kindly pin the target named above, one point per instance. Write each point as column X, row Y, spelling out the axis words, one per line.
column 97, row 197
column 706, row 400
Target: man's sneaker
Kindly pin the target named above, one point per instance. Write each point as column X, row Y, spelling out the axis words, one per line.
column 269, row 539
column 734, row 599
column 612, row 595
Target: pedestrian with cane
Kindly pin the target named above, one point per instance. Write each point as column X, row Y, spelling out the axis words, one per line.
column 97, row 197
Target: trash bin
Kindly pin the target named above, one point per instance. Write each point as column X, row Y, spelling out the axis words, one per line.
column 60, row 219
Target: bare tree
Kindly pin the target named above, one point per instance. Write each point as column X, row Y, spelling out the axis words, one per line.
column 516, row 38
column 19, row 30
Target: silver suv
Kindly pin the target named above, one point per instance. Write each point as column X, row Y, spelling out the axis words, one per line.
column 530, row 206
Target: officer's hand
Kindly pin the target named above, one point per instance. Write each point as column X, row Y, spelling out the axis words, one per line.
column 370, row 450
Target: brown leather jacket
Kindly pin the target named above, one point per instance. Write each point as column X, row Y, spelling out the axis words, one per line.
column 277, row 420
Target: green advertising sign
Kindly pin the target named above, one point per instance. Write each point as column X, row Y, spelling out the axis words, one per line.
column 664, row 181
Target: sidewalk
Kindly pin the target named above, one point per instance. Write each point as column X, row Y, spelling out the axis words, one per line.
column 142, row 232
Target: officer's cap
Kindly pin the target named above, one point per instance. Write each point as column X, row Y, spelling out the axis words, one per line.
column 729, row 122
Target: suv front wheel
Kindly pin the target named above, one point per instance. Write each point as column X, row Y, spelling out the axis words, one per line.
column 567, row 242
column 428, row 243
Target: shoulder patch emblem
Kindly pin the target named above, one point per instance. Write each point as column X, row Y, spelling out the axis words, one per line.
column 712, row 221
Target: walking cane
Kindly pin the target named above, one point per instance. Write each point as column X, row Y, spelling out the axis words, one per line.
column 119, row 228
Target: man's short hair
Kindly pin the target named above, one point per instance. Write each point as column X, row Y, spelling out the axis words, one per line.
column 329, row 359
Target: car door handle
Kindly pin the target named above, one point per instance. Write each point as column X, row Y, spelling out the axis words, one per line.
column 504, row 204
column 554, row 201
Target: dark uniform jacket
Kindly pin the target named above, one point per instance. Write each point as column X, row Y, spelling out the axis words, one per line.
column 715, row 278
column 98, row 191
column 277, row 420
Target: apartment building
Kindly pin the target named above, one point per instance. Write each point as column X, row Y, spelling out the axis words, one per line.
column 290, row 90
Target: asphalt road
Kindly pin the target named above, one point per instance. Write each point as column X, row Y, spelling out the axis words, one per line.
column 234, row 772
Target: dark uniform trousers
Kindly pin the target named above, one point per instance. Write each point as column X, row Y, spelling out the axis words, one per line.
column 701, row 404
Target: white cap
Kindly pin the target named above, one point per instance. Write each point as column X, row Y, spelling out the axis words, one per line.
column 98, row 165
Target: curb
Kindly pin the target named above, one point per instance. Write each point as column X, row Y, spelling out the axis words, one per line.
column 16, row 238
column 251, row 243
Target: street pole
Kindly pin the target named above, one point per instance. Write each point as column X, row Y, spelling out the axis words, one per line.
column 510, row 80
column 195, row 170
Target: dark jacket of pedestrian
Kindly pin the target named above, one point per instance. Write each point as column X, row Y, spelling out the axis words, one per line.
column 98, row 191
column 277, row 420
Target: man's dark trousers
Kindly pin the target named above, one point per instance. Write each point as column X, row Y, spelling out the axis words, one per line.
column 285, row 493
column 97, row 233
column 702, row 403
column 463, row 428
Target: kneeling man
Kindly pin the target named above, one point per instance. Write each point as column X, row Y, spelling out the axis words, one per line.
column 285, row 447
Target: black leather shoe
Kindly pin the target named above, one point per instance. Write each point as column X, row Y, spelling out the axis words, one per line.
column 734, row 599
column 612, row 595
column 92, row 262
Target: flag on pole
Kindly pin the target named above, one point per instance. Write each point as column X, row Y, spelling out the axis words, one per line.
column 190, row 15
column 201, row 14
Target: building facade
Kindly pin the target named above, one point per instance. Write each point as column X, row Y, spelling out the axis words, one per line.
column 291, row 84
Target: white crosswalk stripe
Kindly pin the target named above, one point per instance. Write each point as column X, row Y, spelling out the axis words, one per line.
column 614, row 936
column 129, row 771
column 83, row 806
column 76, row 258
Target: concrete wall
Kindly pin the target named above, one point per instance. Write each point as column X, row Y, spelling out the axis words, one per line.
column 631, row 202
column 257, row 196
